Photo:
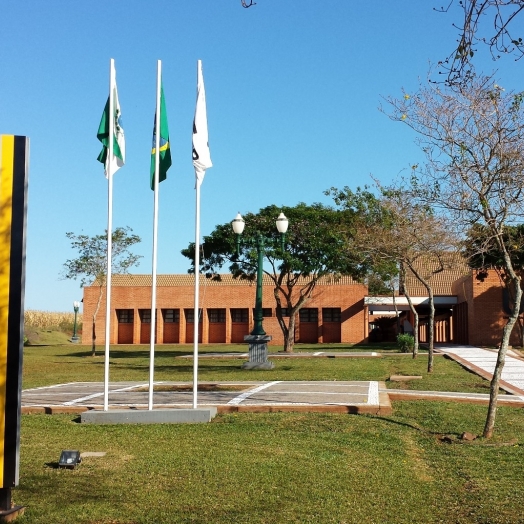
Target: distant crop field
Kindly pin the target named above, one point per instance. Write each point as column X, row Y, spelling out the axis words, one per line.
column 51, row 319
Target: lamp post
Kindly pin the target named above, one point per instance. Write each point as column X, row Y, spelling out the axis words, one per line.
column 76, row 307
column 258, row 338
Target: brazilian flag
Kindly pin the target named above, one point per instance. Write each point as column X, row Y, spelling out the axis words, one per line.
column 164, row 150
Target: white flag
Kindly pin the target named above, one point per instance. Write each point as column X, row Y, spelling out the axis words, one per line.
column 201, row 154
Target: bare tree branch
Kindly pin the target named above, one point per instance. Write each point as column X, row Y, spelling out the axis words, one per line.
column 473, row 30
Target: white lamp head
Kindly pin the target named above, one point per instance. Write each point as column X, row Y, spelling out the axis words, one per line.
column 282, row 223
column 76, row 304
column 238, row 224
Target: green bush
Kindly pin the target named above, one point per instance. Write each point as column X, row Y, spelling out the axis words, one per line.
column 405, row 342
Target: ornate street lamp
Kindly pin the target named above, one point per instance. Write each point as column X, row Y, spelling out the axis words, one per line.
column 258, row 339
column 76, row 307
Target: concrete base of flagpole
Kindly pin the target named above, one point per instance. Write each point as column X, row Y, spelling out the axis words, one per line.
column 154, row 416
column 258, row 352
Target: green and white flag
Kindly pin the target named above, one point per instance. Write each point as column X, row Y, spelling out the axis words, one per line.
column 164, row 148
column 119, row 145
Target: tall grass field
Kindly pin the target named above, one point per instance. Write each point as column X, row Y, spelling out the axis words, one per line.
column 49, row 327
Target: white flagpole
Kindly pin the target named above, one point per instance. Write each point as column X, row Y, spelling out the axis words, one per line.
column 197, row 291
column 201, row 161
column 155, row 234
column 109, row 228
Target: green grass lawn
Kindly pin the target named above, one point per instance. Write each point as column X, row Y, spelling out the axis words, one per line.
column 274, row 468
column 271, row 468
column 47, row 365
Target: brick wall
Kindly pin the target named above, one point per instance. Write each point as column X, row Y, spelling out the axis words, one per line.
column 133, row 292
column 485, row 315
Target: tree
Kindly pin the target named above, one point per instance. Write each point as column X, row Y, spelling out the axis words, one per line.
column 500, row 40
column 473, row 138
column 476, row 14
column 314, row 248
column 393, row 228
column 90, row 266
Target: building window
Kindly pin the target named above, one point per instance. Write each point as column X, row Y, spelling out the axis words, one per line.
column 308, row 314
column 190, row 316
column 239, row 315
column 285, row 312
column 217, row 316
column 145, row 316
column 331, row 314
column 266, row 312
column 125, row 316
column 171, row 316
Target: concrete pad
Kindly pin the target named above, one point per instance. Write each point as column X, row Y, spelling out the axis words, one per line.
column 155, row 416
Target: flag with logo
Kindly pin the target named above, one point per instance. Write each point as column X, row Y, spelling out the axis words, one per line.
column 201, row 153
column 164, row 147
column 119, row 146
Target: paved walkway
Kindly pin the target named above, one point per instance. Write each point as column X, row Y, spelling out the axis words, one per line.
column 334, row 396
column 482, row 362
column 319, row 396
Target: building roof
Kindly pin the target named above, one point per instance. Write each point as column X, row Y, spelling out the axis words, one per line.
column 227, row 279
column 455, row 267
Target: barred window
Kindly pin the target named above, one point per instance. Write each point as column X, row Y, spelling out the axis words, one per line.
column 171, row 316
column 239, row 315
column 266, row 312
column 145, row 316
column 217, row 316
column 331, row 314
column 125, row 316
column 285, row 312
column 190, row 316
column 308, row 314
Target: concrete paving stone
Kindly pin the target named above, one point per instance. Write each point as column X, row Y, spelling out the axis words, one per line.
column 340, row 396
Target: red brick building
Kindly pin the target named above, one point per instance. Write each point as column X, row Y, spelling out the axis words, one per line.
column 481, row 311
column 468, row 311
column 334, row 313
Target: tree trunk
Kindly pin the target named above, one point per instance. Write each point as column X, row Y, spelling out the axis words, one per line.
column 413, row 310
column 397, row 323
column 93, row 327
column 415, row 326
column 431, row 329
column 501, row 359
column 415, row 334
column 289, row 339
column 93, row 338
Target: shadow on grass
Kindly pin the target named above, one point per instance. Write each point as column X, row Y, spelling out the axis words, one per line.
column 416, row 427
column 142, row 353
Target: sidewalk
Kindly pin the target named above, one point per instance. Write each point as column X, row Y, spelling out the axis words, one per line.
column 302, row 396
column 482, row 362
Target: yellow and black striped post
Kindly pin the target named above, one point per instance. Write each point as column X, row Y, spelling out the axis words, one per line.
column 14, row 168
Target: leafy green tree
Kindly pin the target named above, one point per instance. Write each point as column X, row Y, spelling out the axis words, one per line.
column 90, row 266
column 316, row 245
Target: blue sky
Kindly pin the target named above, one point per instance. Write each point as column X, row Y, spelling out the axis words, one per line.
column 293, row 89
